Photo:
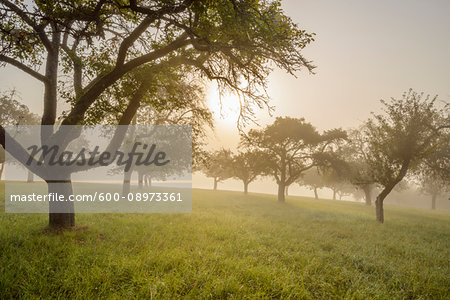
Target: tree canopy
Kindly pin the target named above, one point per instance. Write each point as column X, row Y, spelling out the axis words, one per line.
column 402, row 139
column 292, row 146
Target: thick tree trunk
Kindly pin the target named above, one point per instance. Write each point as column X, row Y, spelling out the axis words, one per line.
column 245, row 187
column 281, row 192
column 316, row 195
column 368, row 195
column 62, row 213
column 215, row 184
column 379, row 209
column 140, row 180
column 433, row 201
column 30, row 176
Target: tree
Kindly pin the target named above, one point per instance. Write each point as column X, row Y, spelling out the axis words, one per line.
column 434, row 173
column 337, row 182
column 313, row 180
column 177, row 100
column 355, row 153
column 97, row 43
column 433, row 186
column 292, row 146
column 218, row 165
column 402, row 139
column 247, row 166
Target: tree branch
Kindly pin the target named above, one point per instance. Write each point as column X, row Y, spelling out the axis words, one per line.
column 24, row 68
column 39, row 29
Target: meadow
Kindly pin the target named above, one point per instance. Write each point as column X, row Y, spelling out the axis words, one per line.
column 231, row 246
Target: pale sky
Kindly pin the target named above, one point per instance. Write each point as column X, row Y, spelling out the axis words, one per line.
column 364, row 51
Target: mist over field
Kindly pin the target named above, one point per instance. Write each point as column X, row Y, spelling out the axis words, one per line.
column 249, row 149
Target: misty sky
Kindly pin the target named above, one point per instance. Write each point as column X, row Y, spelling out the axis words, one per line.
column 364, row 51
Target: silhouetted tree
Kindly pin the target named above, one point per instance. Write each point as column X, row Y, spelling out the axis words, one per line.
column 292, row 146
column 248, row 165
column 313, row 180
column 218, row 165
column 337, row 182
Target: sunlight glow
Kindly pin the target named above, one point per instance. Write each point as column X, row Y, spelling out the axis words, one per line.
column 225, row 108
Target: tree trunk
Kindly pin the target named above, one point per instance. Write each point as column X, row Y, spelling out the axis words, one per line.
column 140, row 180
column 379, row 209
column 148, row 181
column 368, row 195
column 62, row 213
column 281, row 192
column 1, row 170
column 433, row 201
column 286, row 190
column 379, row 202
column 316, row 195
column 215, row 183
column 245, row 187
column 387, row 189
column 334, row 194
column 30, row 176
column 126, row 187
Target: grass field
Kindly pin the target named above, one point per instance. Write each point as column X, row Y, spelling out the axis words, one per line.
column 231, row 246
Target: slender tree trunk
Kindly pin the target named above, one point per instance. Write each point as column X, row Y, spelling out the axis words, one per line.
column 334, row 194
column 30, row 176
column 126, row 187
column 215, row 184
column 286, row 190
column 316, row 195
column 245, row 187
column 368, row 195
column 140, row 180
column 147, row 181
column 281, row 192
column 379, row 203
column 1, row 170
column 433, row 201
column 62, row 213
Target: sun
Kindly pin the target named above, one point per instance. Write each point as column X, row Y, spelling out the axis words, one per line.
column 225, row 108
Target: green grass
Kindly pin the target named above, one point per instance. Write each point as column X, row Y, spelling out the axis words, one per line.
column 231, row 246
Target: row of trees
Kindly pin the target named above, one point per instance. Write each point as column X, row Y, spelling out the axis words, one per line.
column 410, row 139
